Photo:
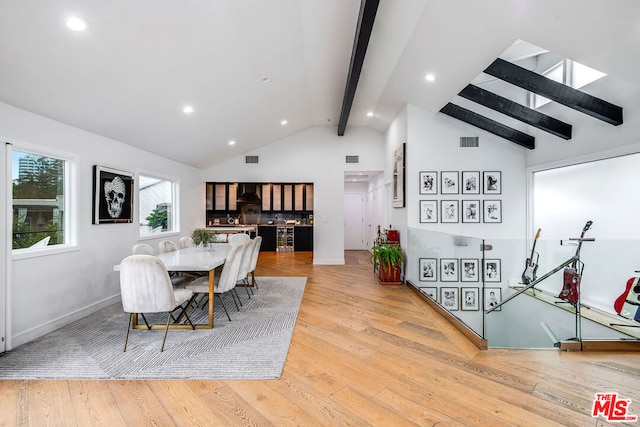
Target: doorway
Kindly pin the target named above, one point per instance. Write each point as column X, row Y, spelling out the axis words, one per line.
column 354, row 221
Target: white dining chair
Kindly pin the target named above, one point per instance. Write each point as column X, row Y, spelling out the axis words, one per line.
column 238, row 238
column 186, row 242
column 142, row 249
column 253, row 263
column 167, row 246
column 146, row 287
column 225, row 282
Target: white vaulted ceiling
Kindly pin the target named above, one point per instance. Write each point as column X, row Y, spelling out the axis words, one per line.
column 140, row 62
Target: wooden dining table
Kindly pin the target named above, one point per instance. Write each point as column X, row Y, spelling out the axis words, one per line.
column 195, row 259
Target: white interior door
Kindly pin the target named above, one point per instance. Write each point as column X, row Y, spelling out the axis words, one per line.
column 354, row 221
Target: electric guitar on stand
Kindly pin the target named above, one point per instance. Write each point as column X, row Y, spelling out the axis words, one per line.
column 571, row 281
column 531, row 267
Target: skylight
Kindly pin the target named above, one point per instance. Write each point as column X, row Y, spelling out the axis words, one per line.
column 569, row 72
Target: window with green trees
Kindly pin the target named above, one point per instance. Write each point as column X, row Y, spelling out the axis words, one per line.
column 38, row 194
column 156, row 201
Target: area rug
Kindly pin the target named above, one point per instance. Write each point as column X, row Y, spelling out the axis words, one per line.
column 252, row 346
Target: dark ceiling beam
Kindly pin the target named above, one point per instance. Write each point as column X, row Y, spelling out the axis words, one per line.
column 368, row 9
column 489, row 125
column 555, row 91
column 517, row 111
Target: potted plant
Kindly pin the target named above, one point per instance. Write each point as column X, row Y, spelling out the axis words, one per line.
column 202, row 236
column 388, row 258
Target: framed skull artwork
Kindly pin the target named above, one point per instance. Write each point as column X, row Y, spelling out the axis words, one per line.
column 112, row 196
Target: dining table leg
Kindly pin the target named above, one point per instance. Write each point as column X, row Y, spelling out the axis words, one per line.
column 211, row 299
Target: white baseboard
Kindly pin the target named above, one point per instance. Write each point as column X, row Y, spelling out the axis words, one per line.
column 52, row 325
column 328, row 261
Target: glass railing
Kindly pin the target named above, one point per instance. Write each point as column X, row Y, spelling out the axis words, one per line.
column 480, row 283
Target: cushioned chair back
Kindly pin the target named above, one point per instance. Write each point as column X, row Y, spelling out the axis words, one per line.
column 186, row 242
column 167, row 246
column 145, row 285
column 257, row 242
column 231, row 268
column 238, row 238
column 246, row 260
column 142, row 249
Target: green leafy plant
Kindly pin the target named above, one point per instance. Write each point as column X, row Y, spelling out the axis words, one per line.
column 387, row 256
column 202, row 236
column 158, row 219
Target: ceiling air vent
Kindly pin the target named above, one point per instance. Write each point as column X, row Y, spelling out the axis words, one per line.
column 251, row 159
column 353, row 159
column 469, row 141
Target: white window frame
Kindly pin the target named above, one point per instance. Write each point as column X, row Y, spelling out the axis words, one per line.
column 175, row 193
column 70, row 198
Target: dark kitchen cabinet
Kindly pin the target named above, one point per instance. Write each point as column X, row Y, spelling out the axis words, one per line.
column 268, row 233
column 303, row 238
column 275, row 197
column 222, row 196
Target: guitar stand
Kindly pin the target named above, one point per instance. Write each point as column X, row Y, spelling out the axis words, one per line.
column 574, row 259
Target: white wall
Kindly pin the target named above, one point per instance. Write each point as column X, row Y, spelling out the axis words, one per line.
column 49, row 291
column 433, row 144
column 314, row 155
column 395, row 136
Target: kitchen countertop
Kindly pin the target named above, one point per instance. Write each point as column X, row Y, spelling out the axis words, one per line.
column 244, row 227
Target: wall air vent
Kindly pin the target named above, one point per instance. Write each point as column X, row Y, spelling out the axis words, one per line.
column 251, row 159
column 469, row 141
column 353, row 159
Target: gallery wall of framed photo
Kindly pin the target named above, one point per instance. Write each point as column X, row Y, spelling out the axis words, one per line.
column 446, row 272
column 463, row 196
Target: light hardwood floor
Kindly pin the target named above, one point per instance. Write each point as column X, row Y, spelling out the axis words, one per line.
column 361, row 354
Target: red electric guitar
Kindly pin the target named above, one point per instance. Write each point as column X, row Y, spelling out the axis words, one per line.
column 571, row 283
column 628, row 304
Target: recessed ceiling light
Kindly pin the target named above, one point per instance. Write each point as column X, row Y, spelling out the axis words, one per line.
column 232, row 142
column 284, row 122
column 76, row 24
column 430, row 77
column 187, row 109
column 370, row 114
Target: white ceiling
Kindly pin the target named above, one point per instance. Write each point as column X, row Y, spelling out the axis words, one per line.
column 129, row 76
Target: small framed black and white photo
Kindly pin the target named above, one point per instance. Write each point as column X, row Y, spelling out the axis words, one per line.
column 470, row 182
column 491, row 270
column 431, row 292
column 471, row 211
column 428, row 211
column 492, row 211
column 449, row 183
column 428, row 269
column 429, row 182
column 492, row 182
column 469, row 270
column 112, row 196
column 449, row 211
column 470, row 299
column 449, row 298
column 492, row 298
column 448, row 269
